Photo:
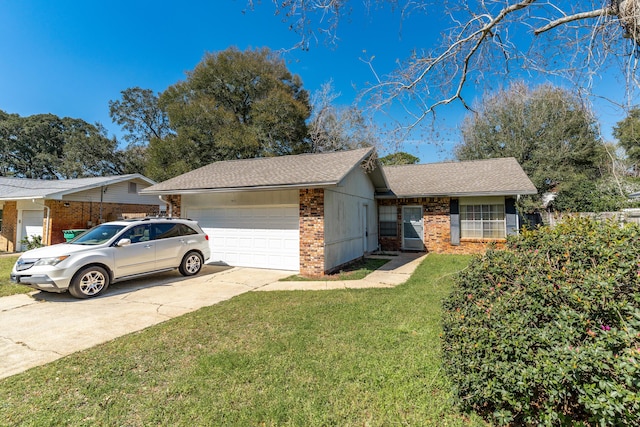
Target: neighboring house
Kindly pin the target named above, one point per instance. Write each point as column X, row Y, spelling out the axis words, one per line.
column 30, row 207
column 316, row 212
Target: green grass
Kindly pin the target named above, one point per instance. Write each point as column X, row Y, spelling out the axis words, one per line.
column 354, row 271
column 366, row 357
column 6, row 287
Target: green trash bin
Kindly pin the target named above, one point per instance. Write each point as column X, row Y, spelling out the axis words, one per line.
column 71, row 234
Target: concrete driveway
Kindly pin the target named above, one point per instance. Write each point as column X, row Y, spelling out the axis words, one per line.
column 41, row 327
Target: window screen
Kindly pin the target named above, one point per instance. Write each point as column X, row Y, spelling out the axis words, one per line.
column 482, row 221
column 388, row 219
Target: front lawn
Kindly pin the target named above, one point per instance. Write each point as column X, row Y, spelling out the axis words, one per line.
column 366, row 357
column 6, row 287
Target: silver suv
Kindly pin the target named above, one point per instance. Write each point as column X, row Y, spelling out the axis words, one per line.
column 112, row 252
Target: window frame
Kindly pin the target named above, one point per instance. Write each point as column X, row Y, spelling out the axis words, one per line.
column 484, row 219
column 385, row 218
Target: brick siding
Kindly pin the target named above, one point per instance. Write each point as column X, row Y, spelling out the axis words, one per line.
column 9, row 224
column 312, row 232
column 176, row 202
column 437, row 228
column 67, row 216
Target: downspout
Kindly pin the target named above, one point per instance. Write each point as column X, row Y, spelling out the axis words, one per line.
column 517, row 213
column 48, row 240
column 168, row 204
column 103, row 190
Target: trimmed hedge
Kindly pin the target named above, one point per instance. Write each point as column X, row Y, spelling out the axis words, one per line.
column 546, row 332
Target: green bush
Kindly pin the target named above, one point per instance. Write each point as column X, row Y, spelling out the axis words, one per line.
column 32, row 242
column 546, row 332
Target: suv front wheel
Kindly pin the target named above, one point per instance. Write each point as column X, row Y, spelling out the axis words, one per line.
column 191, row 264
column 89, row 282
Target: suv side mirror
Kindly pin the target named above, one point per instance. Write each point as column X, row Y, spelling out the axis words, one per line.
column 123, row 242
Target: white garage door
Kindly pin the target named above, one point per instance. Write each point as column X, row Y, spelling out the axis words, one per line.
column 31, row 225
column 262, row 237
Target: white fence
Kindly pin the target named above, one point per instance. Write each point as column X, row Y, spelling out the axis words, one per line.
column 626, row 215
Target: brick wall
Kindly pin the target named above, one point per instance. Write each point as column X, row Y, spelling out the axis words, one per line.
column 437, row 228
column 437, row 225
column 312, row 232
column 81, row 215
column 9, row 223
column 176, row 203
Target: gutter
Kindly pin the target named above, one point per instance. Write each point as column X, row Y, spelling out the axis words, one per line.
column 235, row 189
column 477, row 194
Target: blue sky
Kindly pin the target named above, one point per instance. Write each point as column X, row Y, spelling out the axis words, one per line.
column 70, row 58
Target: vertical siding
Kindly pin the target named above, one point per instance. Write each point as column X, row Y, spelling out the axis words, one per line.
column 344, row 217
column 116, row 193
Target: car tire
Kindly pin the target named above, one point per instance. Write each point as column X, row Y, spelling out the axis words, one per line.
column 89, row 282
column 191, row 264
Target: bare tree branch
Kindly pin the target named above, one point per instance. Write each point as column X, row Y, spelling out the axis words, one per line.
column 606, row 11
column 488, row 43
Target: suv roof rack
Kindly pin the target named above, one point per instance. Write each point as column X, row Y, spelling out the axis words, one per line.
column 148, row 218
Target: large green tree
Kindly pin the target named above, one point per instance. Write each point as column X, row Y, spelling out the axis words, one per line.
column 399, row 158
column 139, row 114
column 233, row 105
column 46, row 146
column 142, row 119
column 547, row 129
column 627, row 132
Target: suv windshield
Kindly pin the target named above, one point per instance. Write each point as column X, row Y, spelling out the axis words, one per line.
column 97, row 235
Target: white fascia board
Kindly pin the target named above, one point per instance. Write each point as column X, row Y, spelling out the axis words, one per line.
column 475, row 194
column 236, row 189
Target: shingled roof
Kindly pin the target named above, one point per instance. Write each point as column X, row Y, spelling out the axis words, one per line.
column 295, row 171
column 23, row 188
column 470, row 178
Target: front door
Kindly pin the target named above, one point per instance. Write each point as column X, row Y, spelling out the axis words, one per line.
column 412, row 228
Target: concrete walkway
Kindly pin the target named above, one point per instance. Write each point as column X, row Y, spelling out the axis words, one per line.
column 41, row 327
column 393, row 273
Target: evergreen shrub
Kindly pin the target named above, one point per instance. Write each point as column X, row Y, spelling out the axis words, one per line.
column 546, row 331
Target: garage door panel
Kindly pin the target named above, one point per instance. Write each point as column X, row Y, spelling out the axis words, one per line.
column 244, row 243
column 261, row 244
column 291, row 244
column 232, row 243
column 264, row 237
column 276, row 244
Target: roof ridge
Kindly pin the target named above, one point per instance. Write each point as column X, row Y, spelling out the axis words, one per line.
column 289, row 156
column 448, row 162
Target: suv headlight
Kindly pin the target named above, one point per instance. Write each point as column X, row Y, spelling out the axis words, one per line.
column 52, row 260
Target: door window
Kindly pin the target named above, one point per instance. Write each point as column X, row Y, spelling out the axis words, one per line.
column 137, row 234
column 412, row 227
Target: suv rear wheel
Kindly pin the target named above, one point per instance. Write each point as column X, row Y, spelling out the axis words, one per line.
column 89, row 282
column 191, row 264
